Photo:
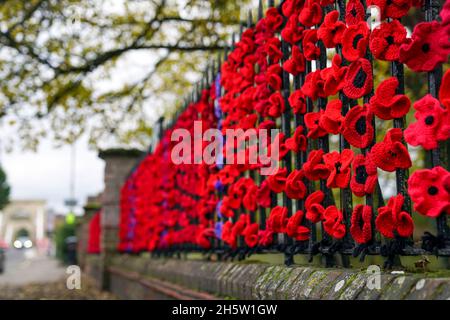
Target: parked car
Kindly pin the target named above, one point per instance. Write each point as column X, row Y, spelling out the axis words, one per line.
column 23, row 243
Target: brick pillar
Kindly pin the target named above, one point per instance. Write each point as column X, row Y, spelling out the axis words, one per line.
column 118, row 164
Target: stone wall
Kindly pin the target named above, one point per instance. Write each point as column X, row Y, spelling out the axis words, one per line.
column 136, row 277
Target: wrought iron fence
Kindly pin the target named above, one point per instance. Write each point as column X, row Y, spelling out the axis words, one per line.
column 313, row 69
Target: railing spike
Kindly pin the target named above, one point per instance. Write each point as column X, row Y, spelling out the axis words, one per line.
column 260, row 10
column 249, row 19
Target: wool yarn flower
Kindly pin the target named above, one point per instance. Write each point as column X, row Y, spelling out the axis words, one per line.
column 430, row 191
column 392, row 220
column 291, row 8
column 313, row 86
column 297, row 101
column 263, row 195
column 273, row 79
column 309, row 43
column 339, row 166
column 277, row 181
column 314, row 168
column 333, row 77
column 331, row 30
column 313, row 206
column 386, row 39
column 355, row 40
column 333, row 222
column 276, row 106
column 312, row 122
column 361, row 224
column 277, row 219
column 296, row 64
column 294, row 229
column 295, row 187
column 357, row 127
column 265, row 237
column 272, row 48
column 429, row 46
column 391, row 8
column 386, row 104
column 358, row 79
column 273, row 19
column 391, row 154
column 227, row 234
column 354, row 12
column 444, row 90
column 331, row 119
column 311, row 13
column 292, row 33
column 432, row 125
column 364, row 176
column 250, row 234
column 297, row 142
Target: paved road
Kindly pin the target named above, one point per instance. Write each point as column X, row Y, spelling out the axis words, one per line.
column 27, row 266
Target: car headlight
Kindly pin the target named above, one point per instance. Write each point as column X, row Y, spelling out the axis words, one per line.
column 28, row 244
column 17, row 244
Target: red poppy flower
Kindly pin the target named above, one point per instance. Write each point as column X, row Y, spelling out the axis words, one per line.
column 314, row 208
column 354, row 12
column 311, row 13
column 240, row 225
column 295, row 187
column 313, row 86
column 292, row 33
column 265, row 237
column 251, row 235
column 390, row 154
column 291, row 7
column 277, row 105
column 428, row 48
column 357, row 128
column 432, row 125
column 296, row 64
column 309, row 43
column 297, row 102
column 364, row 176
column 294, row 229
column 331, row 30
column 203, row 237
column 386, row 39
column 314, row 168
column 273, row 78
column 430, row 191
column 250, row 198
column 277, row 181
column 355, row 40
column 361, row 224
column 445, row 13
column 444, row 90
column 386, row 104
column 339, row 166
column 333, row 77
column 391, row 9
column 263, row 195
column 331, row 119
column 272, row 48
column 312, row 122
column 227, row 234
column 273, row 19
column 333, row 222
column 358, row 79
column 277, row 219
column 391, row 219
column 228, row 174
column 297, row 142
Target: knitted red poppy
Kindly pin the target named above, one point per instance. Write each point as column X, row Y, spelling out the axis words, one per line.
column 251, row 234
column 333, row 77
column 203, row 237
column 358, row 79
column 445, row 13
column 309, row 44
column 354, row 12
column 313, row 206
column 313, row 86
column 331, row 30
column 291, row 7
column 391, row 9
column 314, row 168
column 277, row 219
column 277, row 105
column 333, row 222
column 297, row 142
column 263, row 195
column 390, row 154
column 430, row 191
column 331, row 120
column 296, row 64
column 272, row 49
column 355, row 40
column 297, row 102
column 428, row 48
column 312, row 122
column 444, row 90
column 295, row 187
column 292, row 33
column 227, row 234
column 265, row 237
column 361, row 224
column 386, row 39
column 249, row 200
column 311, row 13
column 391, row 219
column 273, row 19
column 273, row 79
column 294, row 229
column 432, row 125
column 364, row 176
column 339, row 166
column 386, row 104
column 277, row 181
column 357, row 128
